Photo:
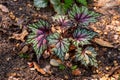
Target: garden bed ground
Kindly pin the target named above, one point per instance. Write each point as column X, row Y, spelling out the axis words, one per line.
column 21, row 13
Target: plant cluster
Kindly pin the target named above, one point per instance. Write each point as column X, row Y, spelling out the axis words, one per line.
column 60, row 6
column 66, row 32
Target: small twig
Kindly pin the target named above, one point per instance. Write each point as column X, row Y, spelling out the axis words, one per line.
column 113, row 71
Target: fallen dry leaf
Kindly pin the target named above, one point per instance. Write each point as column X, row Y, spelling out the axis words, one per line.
column 67, row 56
column 104, row 78
column 56, row 29
column 24, row 49
column 30, row 64
column 108, row 3
column 46, row 54
column 102, row 2
column 47, row 69
column 11, row 15
column 76, row 72
column 102, row 42
column 37, row 67
column 68, row 64
column 5, row 21
column 12, row 74
column 72, row 47
column 106, row 6
column 20, row 36
column 3, row 8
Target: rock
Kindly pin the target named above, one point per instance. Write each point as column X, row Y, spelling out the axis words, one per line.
column 54, row 62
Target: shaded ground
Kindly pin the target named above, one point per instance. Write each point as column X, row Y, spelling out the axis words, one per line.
column 21, row 13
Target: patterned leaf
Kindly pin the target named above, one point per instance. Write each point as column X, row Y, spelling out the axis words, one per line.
column 82, row 16
column 62, row 21
column 40, row 3
column 61, row 45
column 38, row 36
column 87, row 56
column 82, row 36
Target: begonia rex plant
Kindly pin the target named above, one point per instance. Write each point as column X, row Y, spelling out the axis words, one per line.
column 74, row 31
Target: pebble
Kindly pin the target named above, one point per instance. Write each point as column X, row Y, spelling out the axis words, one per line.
column 54, row 62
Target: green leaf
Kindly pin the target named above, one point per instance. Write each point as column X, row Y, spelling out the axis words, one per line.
column 84, row 2
column 55, row 2
column 61, row 7
column 87, row 56
column 61, row 45
column 82, row 36
column 68, row 3
column 62, row 67
column 41, row 3
column 74, row 67
column 23, row 55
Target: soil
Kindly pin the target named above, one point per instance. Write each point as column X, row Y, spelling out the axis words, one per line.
column 22, row 13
